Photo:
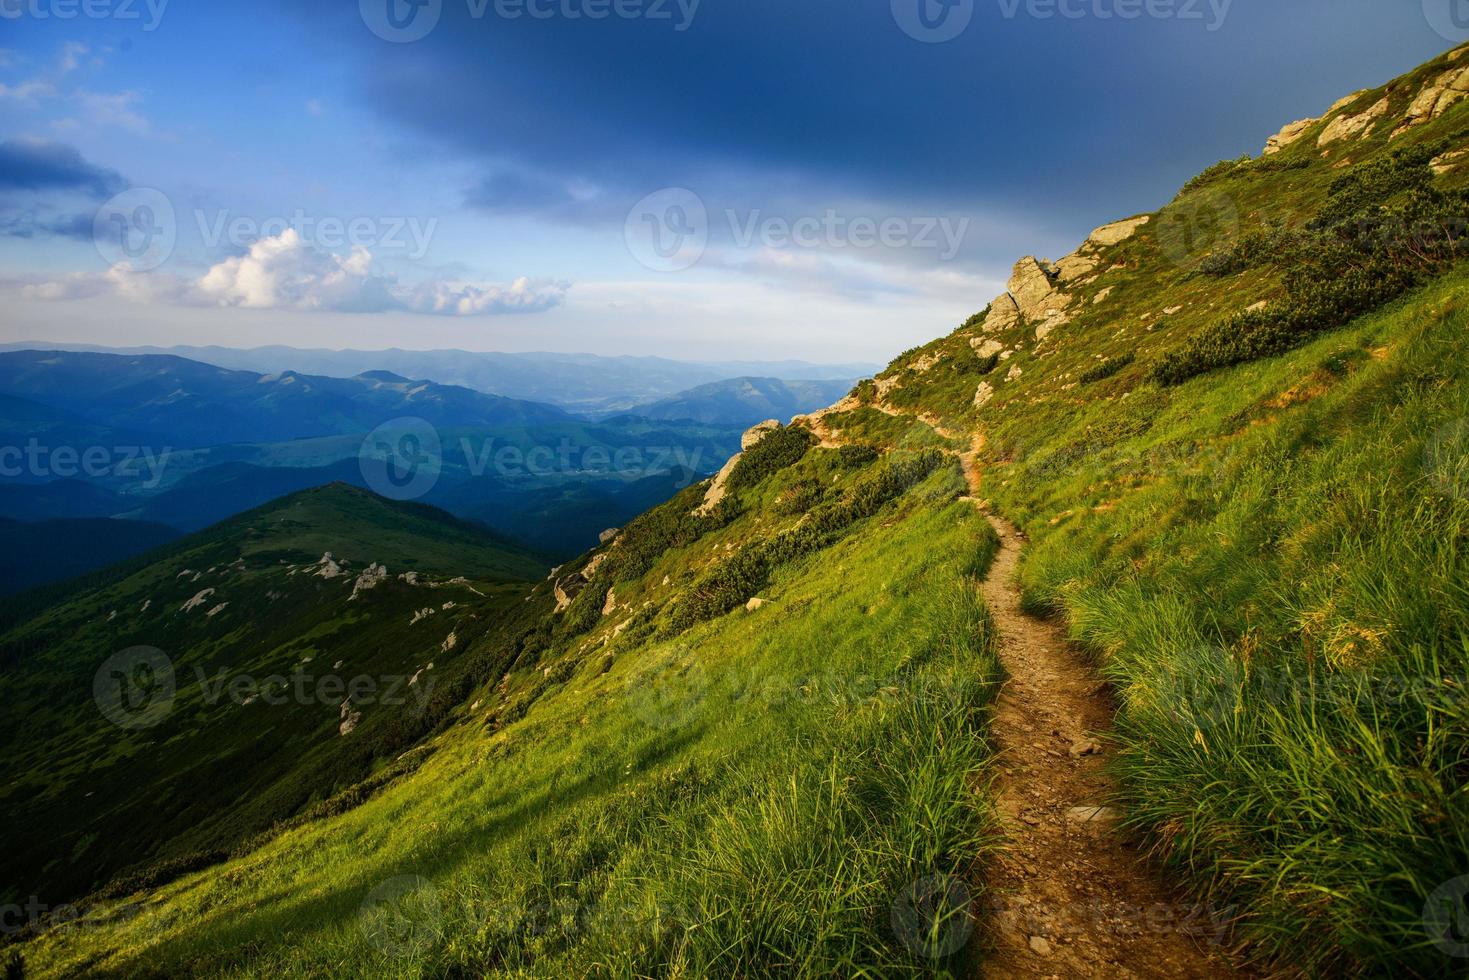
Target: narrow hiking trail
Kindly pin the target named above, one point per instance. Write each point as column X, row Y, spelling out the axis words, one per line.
column 1067, row 896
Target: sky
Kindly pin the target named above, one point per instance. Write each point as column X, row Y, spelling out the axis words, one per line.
column 832, row 180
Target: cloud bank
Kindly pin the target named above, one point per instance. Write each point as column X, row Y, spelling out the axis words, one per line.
column 288, row 273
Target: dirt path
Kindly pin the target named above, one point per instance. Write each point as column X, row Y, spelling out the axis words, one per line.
column 1068, row 897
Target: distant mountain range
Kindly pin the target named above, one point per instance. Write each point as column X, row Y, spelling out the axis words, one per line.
column 180, row 445
column 747, row 400
column 583, row 383
column 190, row 404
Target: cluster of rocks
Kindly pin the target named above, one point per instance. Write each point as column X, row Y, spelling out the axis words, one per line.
column 568, row 587
column 1037, row 296
column 717, row 489
column 373, row 576
column 197, row 601
column 348, row 718
column 1436, row 97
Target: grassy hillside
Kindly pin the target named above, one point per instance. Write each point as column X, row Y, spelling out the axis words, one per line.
column 1235, row 433
column 1256, row 518
column 632, row 794
column 248, row 650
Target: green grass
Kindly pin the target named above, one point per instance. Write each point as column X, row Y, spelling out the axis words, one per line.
column 87, row 800
column 745, row 799
column 1284, row 608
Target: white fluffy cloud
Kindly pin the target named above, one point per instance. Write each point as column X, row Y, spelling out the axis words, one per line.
column 289, row 273
column 286, row 272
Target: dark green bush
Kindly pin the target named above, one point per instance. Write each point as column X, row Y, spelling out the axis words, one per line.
column 1383, row 230
column 779, row 449
column 799, row 497
column 1218, row 171
column 740, row 576
column 1105, row 369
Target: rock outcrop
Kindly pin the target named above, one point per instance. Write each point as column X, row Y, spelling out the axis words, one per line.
column 1289, row 134
column 1003, row 314
column 1116, row 232
column 197, row 600
column 1436, row 98
column 757, row 432
column 717, row 488
column 373, row 576
column 1353, row 127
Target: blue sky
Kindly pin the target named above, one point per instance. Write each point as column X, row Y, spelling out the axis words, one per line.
column 850, row 182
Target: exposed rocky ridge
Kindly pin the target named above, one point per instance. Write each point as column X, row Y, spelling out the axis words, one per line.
column 717, row 486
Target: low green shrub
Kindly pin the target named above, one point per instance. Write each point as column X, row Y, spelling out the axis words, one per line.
column 779, row 449
column 1106, row 369
column 1383, row 230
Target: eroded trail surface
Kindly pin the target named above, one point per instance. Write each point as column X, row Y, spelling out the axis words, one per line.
column 1069, row 897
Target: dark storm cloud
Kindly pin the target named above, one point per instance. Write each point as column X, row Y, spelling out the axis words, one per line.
column 36, row 165
column 1065, row 119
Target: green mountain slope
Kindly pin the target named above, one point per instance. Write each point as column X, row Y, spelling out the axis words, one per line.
column 1255, row 519
column 95, row 784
